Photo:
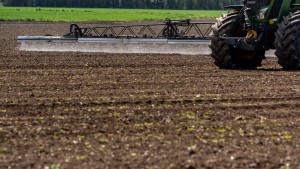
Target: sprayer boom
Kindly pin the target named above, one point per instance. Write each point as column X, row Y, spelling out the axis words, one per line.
column 171, row 31
column 164, row 37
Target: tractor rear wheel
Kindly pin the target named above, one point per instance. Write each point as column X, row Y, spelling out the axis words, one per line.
column 287, row 42
column 226, row 56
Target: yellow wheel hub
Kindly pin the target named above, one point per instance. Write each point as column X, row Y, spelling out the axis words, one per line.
column 252, row 33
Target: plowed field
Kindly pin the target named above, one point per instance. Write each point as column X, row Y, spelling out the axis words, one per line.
column 96, row 110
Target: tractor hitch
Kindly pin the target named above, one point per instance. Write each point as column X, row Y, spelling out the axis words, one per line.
column 245, row 43
column 239, row 42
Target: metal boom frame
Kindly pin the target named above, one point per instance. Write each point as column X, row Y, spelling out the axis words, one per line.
column 171, row 31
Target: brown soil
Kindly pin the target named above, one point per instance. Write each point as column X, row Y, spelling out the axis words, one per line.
column 94, row 110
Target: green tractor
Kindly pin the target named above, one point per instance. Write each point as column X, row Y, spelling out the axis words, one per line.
column 240, row 39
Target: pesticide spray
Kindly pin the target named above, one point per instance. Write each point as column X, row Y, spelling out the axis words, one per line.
column 184, row 49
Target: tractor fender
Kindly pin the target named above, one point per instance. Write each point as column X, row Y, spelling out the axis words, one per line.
column 235, row 7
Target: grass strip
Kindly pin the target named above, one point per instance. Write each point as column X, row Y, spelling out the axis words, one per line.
column 93, row 14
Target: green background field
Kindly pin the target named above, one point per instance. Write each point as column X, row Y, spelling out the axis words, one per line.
column 87, row 14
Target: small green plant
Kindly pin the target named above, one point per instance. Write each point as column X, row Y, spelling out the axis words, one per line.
column 287, row 137
column 103, row 140
column 188, row 115
column 55, row 166
column 80, row 157
column 191, row 129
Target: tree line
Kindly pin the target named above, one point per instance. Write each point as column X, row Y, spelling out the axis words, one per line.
column 139, row 4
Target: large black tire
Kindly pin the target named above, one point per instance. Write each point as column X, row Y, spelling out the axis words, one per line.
column 226, row 56
column 287, row 42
